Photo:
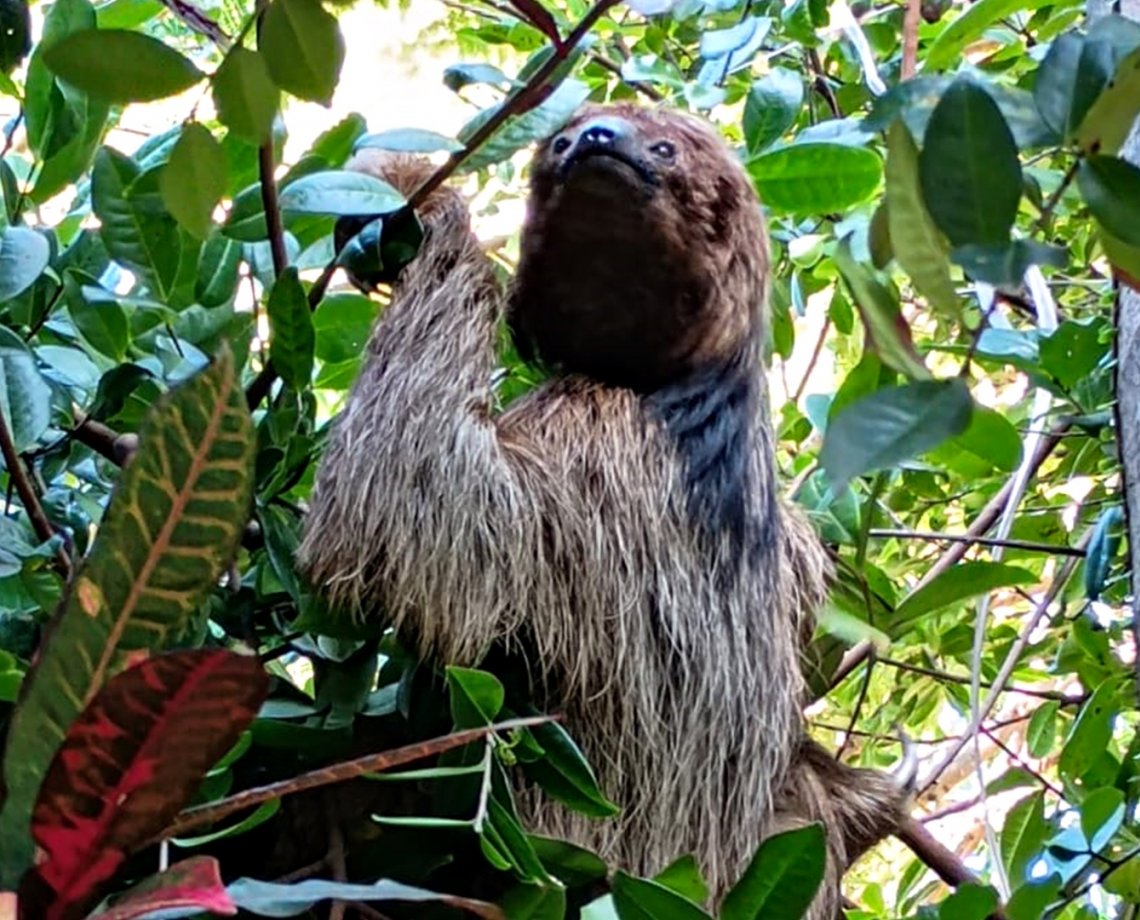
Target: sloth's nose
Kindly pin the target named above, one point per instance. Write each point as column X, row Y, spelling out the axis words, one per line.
column 602, row 132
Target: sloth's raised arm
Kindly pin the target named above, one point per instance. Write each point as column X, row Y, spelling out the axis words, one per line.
column 419, row 513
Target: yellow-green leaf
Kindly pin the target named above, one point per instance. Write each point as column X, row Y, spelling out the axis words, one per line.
column 194, row 179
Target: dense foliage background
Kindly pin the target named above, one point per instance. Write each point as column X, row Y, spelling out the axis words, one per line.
column 951, row 217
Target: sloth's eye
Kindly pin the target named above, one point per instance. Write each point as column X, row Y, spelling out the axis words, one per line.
column 663, row 149
column 561, row 145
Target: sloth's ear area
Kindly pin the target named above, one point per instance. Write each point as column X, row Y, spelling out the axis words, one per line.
column 374, row 249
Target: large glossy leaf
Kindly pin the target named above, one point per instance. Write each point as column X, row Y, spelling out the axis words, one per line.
column 132, row 760
column 644, row 899
column 25, row 397
column 1111, row 189
column 245, row 96
column 303, row 48
column 292, row 337
column 772, row 105
column 173, row 523
column 340, row 192
column 135, row 235
column 782, row 878
column 917, row 243
column 194, row 179
column 953, row 38
column 24, row 255
column 881, row 313
column 966, row 580
column 970, row 174
column 892, row 425
column 816, row 178
column 1091, row 732
column 410, row 140
column 99, row 319
column 121, row 66
column 564, row 773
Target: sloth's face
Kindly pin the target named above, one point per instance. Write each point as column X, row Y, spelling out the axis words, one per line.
column 644, row 254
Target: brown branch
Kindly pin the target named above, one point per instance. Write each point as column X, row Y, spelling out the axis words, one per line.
column 813, row 360
column 858, row 708
column 18, row 475
column 521, row 101
column 910, row 39
column 202, row 815
column 105, row 441
column 944, row 861
column 1050, row 548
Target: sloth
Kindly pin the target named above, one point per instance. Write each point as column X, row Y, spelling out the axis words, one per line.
column 620, row 526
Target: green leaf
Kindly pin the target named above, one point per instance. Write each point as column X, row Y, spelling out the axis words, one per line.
column 879, row 308
column 969, row 902
column 342, row 193
column 1005, row 264
column 25, row 397
column 684, row 877
column 476, row 697
column 990, row 439
column 303, row 48
column 953, row 38
column 964, row 581
column 919, row 246
column 1072, row 351
column 292, row 340
column 892, row 425
column 1102, row 813
column 102, row 322
column 410, row 140
column 522, row 130
column 24, row 254
column 194, row 179
column 245, row 96
column 816, row 178
column 135, row 234
column 782, row 878
column 572, row 865
column 1042, row 731
column 1091, row 733
column 1111, row 189
column 534, row 902
column 173, row 524
column 1102, row 550
column 1032, row 900
column 771, row 108
column 969, row 171
column 121, row 66
column 565, row 775
column 642, row 899
column 1106, row 124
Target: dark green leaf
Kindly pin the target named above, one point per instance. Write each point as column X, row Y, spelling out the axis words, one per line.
column 194, row 179
column 1005, row 264
column 340, row 192
column 1111, row 189
column 816, row 178
column 965, row 580
column 24, row 255
column 303, row 48
column 245, row 96
column 291, row 325
column 879, row 308
column 642, row 899
column 990, row 439
column 773, row 103
column 121, row 66
column 534, row 902
column 1091, row 732
column 564, row 773
column 969, row 902
column 1042, row 731
column 782, row 878
column 1032, row 900
column 1102, row 813
column 1102, row 550
column 476, row 697
column 919, row 246
column 25, row 398
column 572, row 865
column 969, row 171
column 1072, row 351
column 892, row 425
column 102, row 322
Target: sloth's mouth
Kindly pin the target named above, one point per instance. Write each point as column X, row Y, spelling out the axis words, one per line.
column 608, row 161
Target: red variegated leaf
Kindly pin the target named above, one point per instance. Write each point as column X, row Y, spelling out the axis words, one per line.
column 194, row 882
column 131, row 762
column 539, row 17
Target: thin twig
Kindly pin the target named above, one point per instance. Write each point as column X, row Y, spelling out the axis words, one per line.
column 813, row 360
column 1050, row 548
column 858, row 708
column 1054, row 695
column 1019, row 761
column 1047, row 209
column 18, row 476
column 910, row 39
column 201, row 815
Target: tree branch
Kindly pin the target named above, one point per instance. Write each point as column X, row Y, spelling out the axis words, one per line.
column 18, row 475
column 1050, row 548
column 944, row 861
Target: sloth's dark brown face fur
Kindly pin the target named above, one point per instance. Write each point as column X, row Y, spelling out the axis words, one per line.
column 644, row 256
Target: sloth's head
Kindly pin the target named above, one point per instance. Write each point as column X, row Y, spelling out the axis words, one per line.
column 644, row 255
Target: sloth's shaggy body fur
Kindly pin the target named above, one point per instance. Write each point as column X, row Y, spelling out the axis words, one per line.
column 625, row 535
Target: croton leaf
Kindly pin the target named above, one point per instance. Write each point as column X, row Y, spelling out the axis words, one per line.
column 192, row 883
column 173, row 524
column 132, row 760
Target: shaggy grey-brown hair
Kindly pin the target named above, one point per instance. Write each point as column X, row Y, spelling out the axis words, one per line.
column 620, row 525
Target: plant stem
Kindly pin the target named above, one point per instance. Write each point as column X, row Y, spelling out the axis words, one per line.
column 18, row 475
